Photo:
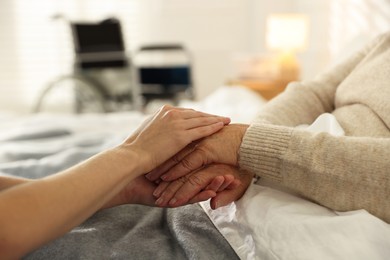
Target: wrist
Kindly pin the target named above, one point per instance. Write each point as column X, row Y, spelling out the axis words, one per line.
column 133, row 159
column 241, row 130
column 10, row 181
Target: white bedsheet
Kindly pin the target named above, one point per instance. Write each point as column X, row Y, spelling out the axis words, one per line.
column 269, row 223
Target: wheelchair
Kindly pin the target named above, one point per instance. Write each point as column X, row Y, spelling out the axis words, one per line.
column 102, row 79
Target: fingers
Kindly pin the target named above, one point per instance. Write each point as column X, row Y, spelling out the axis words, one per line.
column 193, row 161
column 162, row 186
column 188, row 113
column 204, row 121
column 216, row 184
column 170, row 130
column 187, row 188
column 197, row 194
column 235, row 183
column 191, row 113
column 202, row 196
column 211, row 191
column 203, row 131
column 155, row 174
column 180, row 191
column 233, row 193
column 214, row 189
column 222, row 184
column 194, row 124
column 228, row 179
column 224, row 198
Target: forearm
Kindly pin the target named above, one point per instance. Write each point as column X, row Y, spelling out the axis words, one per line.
column 342, row 173
column 39, row 211
column 10, row 181
column 303, row 102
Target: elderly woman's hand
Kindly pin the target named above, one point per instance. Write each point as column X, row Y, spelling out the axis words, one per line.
column 186, row 189
column 221, row 148
column 202, row 186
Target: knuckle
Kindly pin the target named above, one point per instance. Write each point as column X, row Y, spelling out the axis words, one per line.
column 171, row 113
column 166, row 107
column 187, row 164
column 195, row 180
column 176, row 159
column 169, row 191
column 203, row 155
column 183, row 179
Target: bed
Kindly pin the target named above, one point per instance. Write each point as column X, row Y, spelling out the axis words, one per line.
column 267, row 223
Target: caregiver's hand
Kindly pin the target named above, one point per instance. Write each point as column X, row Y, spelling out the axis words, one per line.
column 111, row 177
column 185, row 189
column 138, row 191
column 221, row 147
column 141, row 190
column 168, row 131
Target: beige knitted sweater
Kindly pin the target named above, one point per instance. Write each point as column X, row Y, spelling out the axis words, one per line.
column 343, row 173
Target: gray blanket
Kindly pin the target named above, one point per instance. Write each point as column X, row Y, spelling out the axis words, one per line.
column 139, row 232
column 125, row 232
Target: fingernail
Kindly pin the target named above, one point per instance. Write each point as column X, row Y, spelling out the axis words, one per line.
column 156, row 193
column 164, row 177
column 159, row 201
column 172, row 201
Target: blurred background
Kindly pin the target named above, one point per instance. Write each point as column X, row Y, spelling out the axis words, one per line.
column 228, row 41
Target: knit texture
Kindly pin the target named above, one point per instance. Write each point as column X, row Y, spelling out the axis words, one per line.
column 274, row 142
column 343, row 173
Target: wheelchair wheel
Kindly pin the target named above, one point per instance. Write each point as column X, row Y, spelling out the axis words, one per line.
column 71, row 94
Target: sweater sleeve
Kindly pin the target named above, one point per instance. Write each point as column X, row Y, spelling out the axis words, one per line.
column 302, row 102
column 342, row 173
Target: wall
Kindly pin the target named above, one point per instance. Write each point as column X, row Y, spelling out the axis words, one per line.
column 337, row 27
column 212, row 30
column 37, row 48
column 34, row 48
column 8, row 63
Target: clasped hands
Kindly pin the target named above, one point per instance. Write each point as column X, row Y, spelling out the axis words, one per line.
column 206, row 169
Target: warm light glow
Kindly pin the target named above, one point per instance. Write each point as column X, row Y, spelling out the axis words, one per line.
column 287, row 32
